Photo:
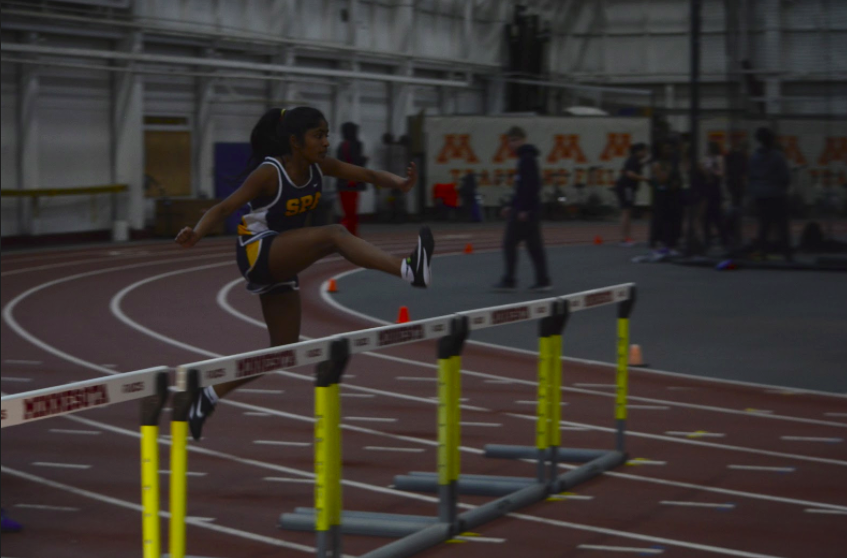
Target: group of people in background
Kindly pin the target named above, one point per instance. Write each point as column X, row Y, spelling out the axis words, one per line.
column 715, row 196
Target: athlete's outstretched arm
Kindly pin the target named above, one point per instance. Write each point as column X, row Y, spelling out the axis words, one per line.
column 261, row 181
column 381, row 179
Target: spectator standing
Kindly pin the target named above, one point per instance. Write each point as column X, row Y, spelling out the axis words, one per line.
column 736, row 162
column 769, row 178
column 350, row 151
column 627, row 186
column 667, row 185
column 523, row 216
column 711, row 198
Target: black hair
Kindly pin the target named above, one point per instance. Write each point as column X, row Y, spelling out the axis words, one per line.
column 714, row 148
column 766, row 137
column 636, row 147
column 272, row 133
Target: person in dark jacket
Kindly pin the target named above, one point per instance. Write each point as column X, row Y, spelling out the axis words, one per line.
column 627, row 186
column 768, row 182
column 523, row 216
column 350, row 151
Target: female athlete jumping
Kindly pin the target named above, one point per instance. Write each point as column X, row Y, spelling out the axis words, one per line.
column 286, row 169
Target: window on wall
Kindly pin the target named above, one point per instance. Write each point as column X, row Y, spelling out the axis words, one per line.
column 167, row 156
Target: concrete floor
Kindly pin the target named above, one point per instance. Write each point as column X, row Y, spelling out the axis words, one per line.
column 781, row 328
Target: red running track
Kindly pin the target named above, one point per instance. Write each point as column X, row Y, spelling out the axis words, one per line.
column 733, row 487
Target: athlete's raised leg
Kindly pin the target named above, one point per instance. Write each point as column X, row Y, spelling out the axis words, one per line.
column 294, row 251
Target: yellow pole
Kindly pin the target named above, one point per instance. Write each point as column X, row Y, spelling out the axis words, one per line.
column 456, row 371
column 334, row 452
column 445, row 419
column 150, row 491
column 622, row 379
column 322, row 460
column 555, row 391
column 179, row 487
column 542, row 421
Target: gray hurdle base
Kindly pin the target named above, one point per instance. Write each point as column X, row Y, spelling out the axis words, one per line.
column 488, row 485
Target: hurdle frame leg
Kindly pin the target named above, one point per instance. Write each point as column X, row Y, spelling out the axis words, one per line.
column 179, row 465
column 327, row 520
column 151, row 410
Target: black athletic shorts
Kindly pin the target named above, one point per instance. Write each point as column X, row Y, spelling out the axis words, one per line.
column 252, row 253
column 626, row 197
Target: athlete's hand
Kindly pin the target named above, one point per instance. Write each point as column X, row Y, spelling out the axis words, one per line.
column 411, row 178
column 187, row 237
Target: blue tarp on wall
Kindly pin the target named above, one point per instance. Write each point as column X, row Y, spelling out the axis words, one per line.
column 230, row 160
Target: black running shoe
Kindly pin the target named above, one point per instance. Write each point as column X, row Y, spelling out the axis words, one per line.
column 198, row 413
column 420, row 262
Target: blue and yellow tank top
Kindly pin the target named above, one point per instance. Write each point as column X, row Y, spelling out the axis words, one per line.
column 289, row 208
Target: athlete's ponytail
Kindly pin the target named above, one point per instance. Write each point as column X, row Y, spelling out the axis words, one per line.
column 271, row 136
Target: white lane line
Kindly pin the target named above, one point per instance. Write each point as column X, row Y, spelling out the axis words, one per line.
column 461, row 399
column 758, row 411
column 137, row 508
column 498, row 382
column 15, row 379
column 811, row 439
column 195, row 518
column 370, row 419
column 434, row 500
column 348, row 376
column 261, row 391
column 281, row 443
column 725, row 506
column 255, row 414
column 620, row 549
column 468, row 538
column 189, row 473
column 61, row 465
column 757, row 468
column 596, row 385
column 696, row 434
column 357, row 395
column 415, row 379
column 48, row 508
column 22, row 362
column 649, row 407
column 113, row 366
column 574, row 428
column 380, row 448
column 835, row 414
column 80, row 432
column 288, row 479
column 482, row 424
column 818, row 510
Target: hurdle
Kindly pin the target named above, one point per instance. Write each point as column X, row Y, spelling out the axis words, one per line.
column 415, row 533
column 150, row 385
column 517, row 492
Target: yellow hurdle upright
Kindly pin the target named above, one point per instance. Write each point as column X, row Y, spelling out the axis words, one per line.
column 328, row 451
column 151, row 409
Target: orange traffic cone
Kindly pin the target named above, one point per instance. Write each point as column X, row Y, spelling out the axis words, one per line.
column 468, row 248
column 332, row 287
column 635, row 356
column 598, row 239
column 403, row 315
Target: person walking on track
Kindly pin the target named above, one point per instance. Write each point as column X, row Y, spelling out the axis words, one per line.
column 286, row 173
column 524, row 216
